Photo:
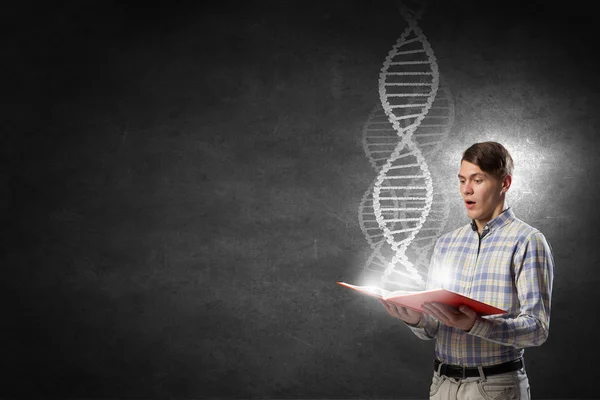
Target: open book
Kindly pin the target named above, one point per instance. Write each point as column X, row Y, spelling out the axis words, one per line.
column 414, row 299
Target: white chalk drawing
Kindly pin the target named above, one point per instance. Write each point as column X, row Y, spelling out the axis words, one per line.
column 401, row 211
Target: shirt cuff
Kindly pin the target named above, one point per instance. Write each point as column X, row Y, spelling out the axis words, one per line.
column 482, row 328
column 427, row 326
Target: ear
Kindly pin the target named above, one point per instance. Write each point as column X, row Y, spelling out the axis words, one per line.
column 506, row 182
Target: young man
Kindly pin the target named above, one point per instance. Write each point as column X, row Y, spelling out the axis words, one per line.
column 497, row 259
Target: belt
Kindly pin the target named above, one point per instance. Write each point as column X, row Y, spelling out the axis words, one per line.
column 455, row 371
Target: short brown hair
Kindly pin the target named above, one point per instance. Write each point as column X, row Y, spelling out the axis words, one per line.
column 491, row 157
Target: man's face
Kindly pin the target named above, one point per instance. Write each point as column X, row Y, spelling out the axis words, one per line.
column 481, row 192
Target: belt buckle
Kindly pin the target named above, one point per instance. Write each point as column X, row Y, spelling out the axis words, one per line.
column 464, row 372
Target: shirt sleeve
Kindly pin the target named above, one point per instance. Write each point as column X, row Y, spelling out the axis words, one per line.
column 426, row 329
column 534, row 274
column 428, row 326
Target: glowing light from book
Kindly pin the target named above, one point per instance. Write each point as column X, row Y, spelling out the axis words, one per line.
column 371, row 283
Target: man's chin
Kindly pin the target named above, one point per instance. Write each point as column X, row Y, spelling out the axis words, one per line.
column 474, row 215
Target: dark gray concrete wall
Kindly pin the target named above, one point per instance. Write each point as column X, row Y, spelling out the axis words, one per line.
column 180, row 187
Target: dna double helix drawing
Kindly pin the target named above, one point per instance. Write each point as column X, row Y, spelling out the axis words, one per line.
column 404, row 211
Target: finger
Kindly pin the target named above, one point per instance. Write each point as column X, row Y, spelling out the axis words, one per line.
column 397, row 312
column 446, row 312
column 414, row 312
column 386, row 306
column 429, row 310
column 404, row 313
column 410, row 313
column 434, row 312
column 468, row 311
column 446, row 316
column 391, row 308
column 446, row 309
column 398, row 309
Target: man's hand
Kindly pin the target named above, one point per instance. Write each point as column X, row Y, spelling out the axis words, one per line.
column 405, row 314
column 463, row 318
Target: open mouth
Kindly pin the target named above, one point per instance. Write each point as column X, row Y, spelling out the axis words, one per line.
column 470, row 203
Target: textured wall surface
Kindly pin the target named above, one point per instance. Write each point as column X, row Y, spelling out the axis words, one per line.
column 180, row 187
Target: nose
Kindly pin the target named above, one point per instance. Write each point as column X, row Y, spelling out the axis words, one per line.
column 467, row 189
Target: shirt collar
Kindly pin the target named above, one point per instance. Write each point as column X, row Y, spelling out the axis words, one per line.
column 502, row 219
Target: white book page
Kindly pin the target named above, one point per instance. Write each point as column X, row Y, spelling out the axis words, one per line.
column 376, row 290
column 405, row 292
column 369, row 289
column 401, row 293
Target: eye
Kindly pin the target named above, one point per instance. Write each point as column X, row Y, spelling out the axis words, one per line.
column 478, row 181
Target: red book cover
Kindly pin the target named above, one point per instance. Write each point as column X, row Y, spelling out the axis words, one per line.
column 415, row 299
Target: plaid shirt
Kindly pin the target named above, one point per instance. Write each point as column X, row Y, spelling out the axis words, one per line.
column 511, row 267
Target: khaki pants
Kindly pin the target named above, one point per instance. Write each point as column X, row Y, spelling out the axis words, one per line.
column 509, row 386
